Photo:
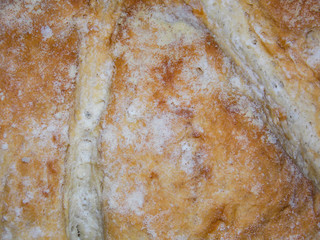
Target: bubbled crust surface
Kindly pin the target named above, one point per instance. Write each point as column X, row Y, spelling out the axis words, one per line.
column 38, row 59
column 182, row 157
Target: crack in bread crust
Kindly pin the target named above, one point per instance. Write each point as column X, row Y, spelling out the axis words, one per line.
column 83, row 178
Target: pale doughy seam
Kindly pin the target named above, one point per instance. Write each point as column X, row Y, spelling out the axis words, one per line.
column 82, row 193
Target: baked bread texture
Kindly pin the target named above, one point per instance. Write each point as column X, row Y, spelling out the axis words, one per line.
column 39, row 58
column 276, row 43
column 158, row 119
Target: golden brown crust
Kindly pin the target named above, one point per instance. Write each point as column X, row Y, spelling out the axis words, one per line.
column 290, row 34
column 183, row 153
column 181, row 157
column 38, row 54
column 287, row 27
column 276, row 44
column 294, row 16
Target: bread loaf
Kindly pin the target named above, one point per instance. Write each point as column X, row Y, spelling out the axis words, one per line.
column 159, row 119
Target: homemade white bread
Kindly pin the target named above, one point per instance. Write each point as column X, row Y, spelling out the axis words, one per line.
column 159, row 119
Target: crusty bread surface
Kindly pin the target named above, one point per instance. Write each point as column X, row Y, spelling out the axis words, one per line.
column 137, row 119
column 277, row 45
column 38, row 60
